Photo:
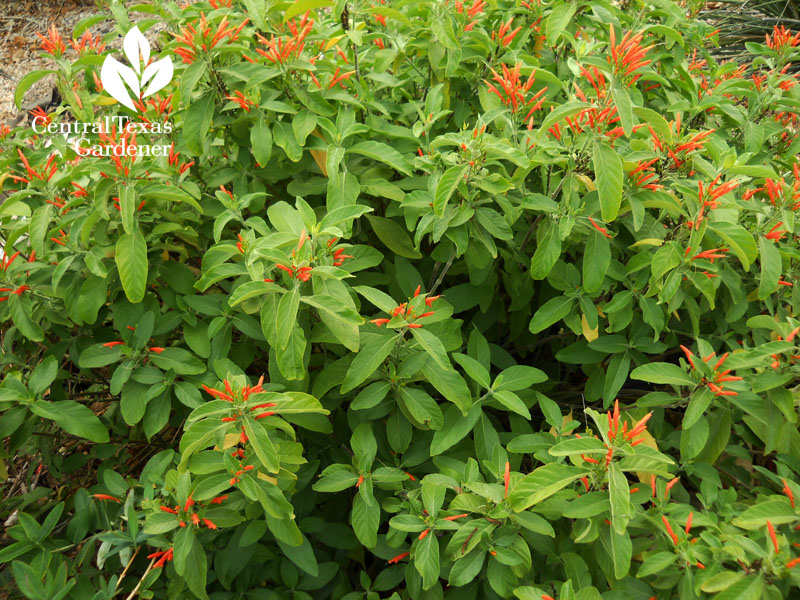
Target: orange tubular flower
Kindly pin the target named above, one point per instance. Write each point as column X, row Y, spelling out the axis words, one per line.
column 424, row 534
column 602, row 230
column 454, row 517
column 397, row 558
column 689, row 522
column 775, row 235
column 106, row 497
column 711, row 254
column 772, row 536
column 360, row 480
column 217, row 393
column 163, row 557
column 792, row 563
column 669, row 530
column 787, row 490
column 669, row 487
column 240, row 99
column 506, row 477
column 210, row 524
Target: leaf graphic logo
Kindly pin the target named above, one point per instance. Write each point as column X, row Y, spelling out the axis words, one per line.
column 141, row 78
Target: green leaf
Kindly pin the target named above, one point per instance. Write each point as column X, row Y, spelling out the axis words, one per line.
column 587, row 505
column 456, row 427
column 548, row 250
column 179, row 360
column 298, row 7
column 73, row 418
column 663, row 373
column 21, row 317
column 426, row 559
column 43, row 375
column 623, row 103
column 771, row 268
column 195, row 569
column 368, row 360
column 383, row 153
column 286, row 316
column 619, row 495
column 557, row 21
column 98, row 355
column 449, row 384
column 446, row 186
column 197, row 122
column 518, row 377
column 393, row 236
column 365, row 517
column 596, row 260
column 333, row 307
column 261, row 141
column 262, row 445
column 656, row 563
column 583, row 445
column 620, row 547
column 433, row 346
column 131, row 259
column 551, row 312
column 541, row 484
column 302, row 555
column 778, row 511
column 25, row 84
column 749, row 588
column 512, row 402
column 608, row 177
column 740, row 240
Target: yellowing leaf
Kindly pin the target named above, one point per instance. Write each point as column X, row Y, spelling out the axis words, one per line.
column 320, row 156
column 587, row 181
column 648, row 440
column 590, row 334
column 105, row 101
column 266, row 477
column 567, row 418
column 648, row 242
column 231, row 439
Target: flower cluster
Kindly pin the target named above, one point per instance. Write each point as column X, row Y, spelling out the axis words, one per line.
column 406, row 311
column 719, row 378
column 88, row 44
column 503, row 36
column 201, row 37
column 627, row 56
column 240, row 99
column 709, row 197
column 514, row 91
column 46, row 174
column 279, row 50
column 187, row 514
column 645, row 174
column 52, row 44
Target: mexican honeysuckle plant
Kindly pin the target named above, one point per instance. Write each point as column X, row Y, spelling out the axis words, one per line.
column 410, row 300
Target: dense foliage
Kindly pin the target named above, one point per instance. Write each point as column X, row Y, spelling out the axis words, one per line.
column 348, row 328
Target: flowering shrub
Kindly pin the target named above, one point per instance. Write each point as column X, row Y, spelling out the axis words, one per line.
column 338, row 311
